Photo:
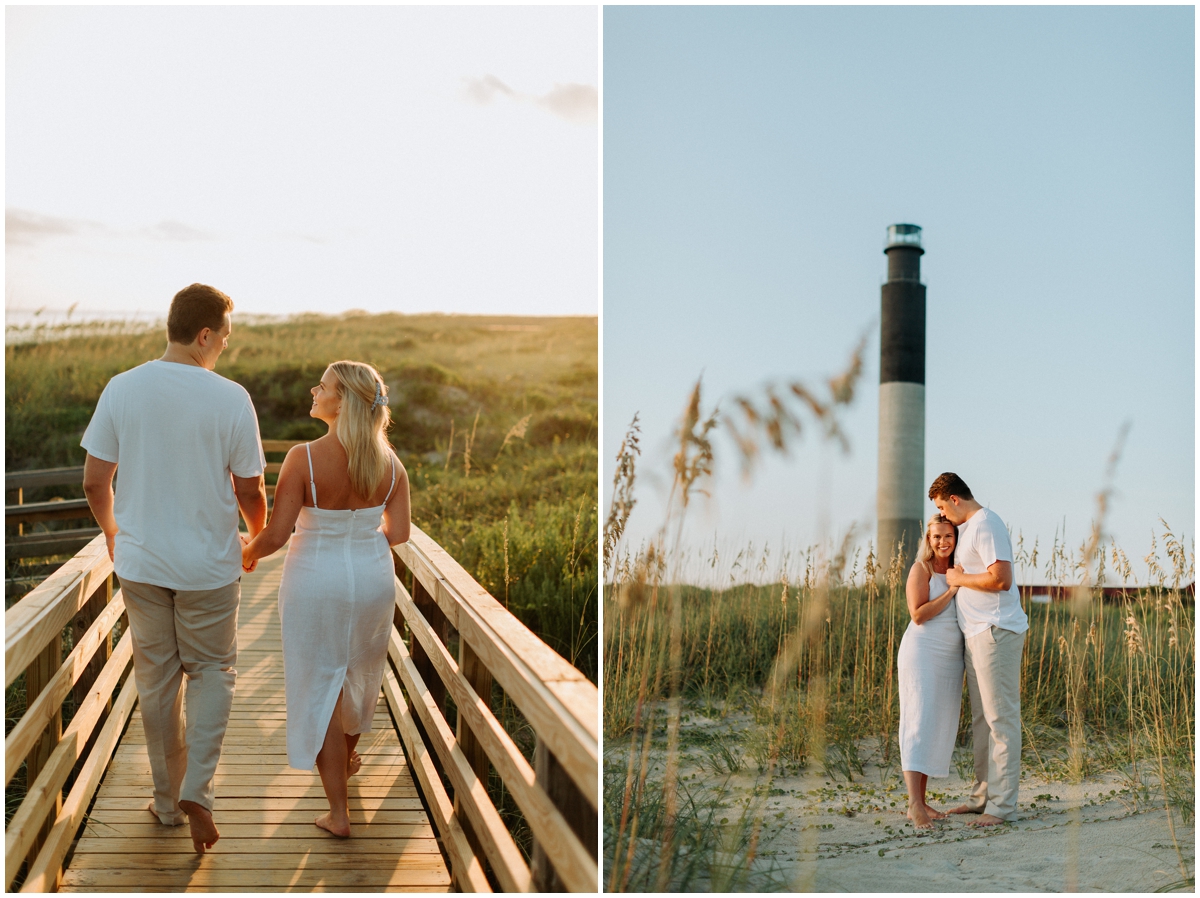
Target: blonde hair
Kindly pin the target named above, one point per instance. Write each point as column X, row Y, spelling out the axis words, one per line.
column 925, row 553
column 361, row 428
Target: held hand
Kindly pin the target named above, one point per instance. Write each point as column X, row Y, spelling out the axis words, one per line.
column 954, row 576
column 249, row 562
column 110, row 541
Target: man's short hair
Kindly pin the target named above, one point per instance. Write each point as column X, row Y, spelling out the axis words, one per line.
column 193, row 309
column 949, row 485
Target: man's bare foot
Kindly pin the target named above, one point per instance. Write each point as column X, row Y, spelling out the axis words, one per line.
column 962, row 809
column 934, row 813
column 916, row 813
column 204, row 831
column 340, row 828
column 353, row 764
column 987, row 820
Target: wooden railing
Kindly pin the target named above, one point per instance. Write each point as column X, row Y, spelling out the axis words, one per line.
column 63, row 542
column 452, row 641
column 274, row 466
column 460, row 640
column 79, row 595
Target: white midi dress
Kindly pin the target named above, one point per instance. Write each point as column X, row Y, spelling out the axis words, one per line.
column 336, row 599
column 930, row 672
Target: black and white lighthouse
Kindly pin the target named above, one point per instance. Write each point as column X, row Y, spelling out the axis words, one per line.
column 900, row 500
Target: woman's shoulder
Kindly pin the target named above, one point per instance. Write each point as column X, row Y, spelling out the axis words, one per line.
column 920, row 567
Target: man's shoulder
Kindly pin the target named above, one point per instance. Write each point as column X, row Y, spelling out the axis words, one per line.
column 131, row 376
column 991, row 520
column 230, row 388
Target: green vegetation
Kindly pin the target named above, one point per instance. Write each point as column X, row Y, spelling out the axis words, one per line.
column 494, row 417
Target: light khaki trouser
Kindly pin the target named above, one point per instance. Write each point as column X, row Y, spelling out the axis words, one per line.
column 993, row 661
column 178, row 635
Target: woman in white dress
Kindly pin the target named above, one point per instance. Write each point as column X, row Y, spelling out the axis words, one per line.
column 930, row 667
column 346, row 494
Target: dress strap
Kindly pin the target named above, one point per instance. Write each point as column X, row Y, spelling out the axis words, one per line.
column 312, row 484
column 393, row 486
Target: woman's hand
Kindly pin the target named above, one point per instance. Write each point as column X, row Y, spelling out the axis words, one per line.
column 249, row 561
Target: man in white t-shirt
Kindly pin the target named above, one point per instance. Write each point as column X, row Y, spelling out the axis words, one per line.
column 993, row 625
column 186, row 440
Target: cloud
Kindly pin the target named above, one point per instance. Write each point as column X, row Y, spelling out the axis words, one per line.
column 24, row 228
column 574, row 102
column 482, row 91
column 577, row 103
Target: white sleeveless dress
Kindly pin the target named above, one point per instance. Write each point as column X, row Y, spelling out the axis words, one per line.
column 336, row 599
column 930, row 674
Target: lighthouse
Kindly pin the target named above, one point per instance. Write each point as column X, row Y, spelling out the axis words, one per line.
column 900, row 500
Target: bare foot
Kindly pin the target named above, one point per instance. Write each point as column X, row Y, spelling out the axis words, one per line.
column 934, row 813
column 340, row 828
column 353, row 764
column 962, row 809
column 916, row 813
column 987, row 820
column 204, row 831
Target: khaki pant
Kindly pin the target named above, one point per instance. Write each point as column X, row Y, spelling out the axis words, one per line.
column 178, row 635
column 993, row 660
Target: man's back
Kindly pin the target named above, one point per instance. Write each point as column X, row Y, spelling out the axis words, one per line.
column 176, row 432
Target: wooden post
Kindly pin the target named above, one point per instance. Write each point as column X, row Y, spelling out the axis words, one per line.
column 437, row 621
column 37, row 676
column 580, row 815
column 85, row 618
column 480, row 679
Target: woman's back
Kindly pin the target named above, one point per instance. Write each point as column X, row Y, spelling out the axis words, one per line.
column 331, row 476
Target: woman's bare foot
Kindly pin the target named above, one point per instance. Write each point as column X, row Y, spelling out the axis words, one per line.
column 962, row 809
column 204, row 831
column 916, row 813
column 353, row 764
column 934, row 813
column 340, row 828
column 987, row 820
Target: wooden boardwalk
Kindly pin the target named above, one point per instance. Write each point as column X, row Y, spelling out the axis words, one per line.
column 264, row 809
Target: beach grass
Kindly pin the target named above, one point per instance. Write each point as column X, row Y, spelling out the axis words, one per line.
column 795, row 649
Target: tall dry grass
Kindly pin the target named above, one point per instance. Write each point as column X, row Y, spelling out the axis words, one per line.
column 806, row 642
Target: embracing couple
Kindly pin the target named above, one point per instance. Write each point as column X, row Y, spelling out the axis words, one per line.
column 187, row 444
column 966, row 615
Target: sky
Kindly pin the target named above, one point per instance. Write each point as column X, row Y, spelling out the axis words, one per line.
column 302, row 159
column 753, row 159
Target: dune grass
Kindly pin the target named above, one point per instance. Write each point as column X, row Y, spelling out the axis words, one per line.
column 805, row 643
column 494, row 417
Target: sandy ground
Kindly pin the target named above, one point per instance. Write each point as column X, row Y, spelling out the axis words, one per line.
column 1089, row 837
column 826, row 835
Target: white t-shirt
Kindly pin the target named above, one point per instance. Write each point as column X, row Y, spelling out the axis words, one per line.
column 176, row 433
column 982, row 541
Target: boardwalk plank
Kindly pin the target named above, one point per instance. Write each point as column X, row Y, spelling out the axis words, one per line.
column 413, row 816
column 109, row 829
column 216, row 861
column 264, row 808
column 275, row 880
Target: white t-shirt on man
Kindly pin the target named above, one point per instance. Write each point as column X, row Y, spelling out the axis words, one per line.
column 982, row 541
column 176, row 433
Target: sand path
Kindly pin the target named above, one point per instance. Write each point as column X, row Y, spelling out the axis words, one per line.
column 822, row 834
